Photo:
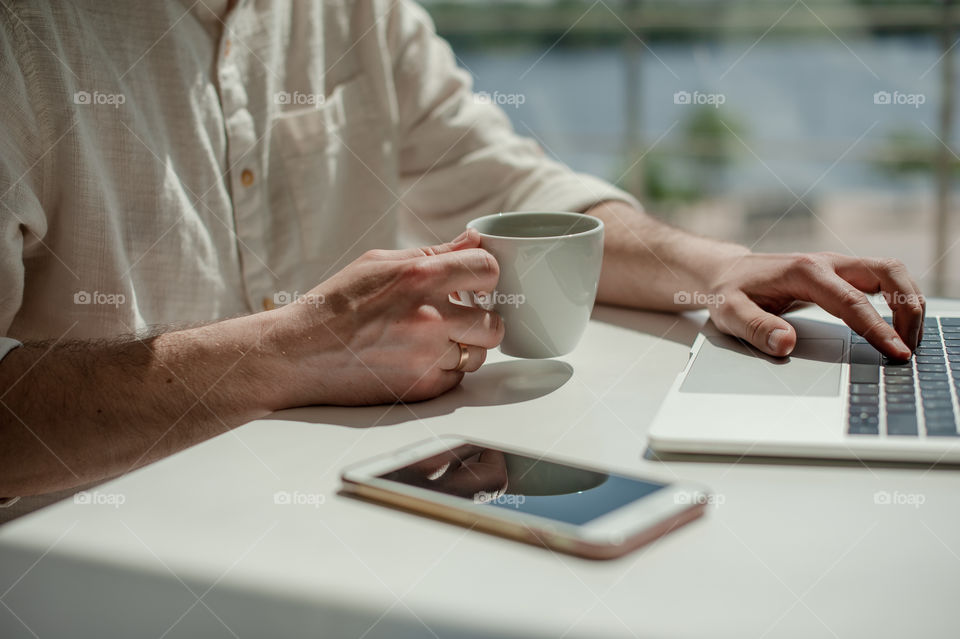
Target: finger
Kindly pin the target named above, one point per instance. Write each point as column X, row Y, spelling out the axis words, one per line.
column 473, row 325
column 444, row 460
column 899, row 290
column 842, row 299
column 739, row 316
column 476, row 356
column 468, row 239
column 487, row 474
column 468, row 269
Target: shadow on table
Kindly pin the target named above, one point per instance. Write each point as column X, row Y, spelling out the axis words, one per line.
column 94, row 599
column 681, row 328
column 771, row 460
column 498, row 384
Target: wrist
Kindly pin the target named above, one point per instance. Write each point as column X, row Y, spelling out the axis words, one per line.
column 715, row 262
column 249, row 362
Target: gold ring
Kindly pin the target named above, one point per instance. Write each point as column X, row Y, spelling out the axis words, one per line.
column 464, row 358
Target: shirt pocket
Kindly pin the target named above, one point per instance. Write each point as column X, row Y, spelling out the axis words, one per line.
column 336, row 163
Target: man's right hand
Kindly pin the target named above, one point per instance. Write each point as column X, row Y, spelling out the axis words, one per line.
column 383, row 329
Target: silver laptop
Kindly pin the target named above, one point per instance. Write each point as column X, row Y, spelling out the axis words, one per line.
column 834, row 397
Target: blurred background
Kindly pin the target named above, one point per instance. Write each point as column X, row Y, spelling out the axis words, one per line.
column 781, row 124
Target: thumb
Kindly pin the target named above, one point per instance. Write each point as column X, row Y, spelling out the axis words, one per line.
column 739, row 316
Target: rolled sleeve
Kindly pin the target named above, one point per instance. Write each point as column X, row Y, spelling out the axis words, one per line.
column 459, row 156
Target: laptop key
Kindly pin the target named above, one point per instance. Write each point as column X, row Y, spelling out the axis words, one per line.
column 931, row 368
column 900, row 398
column 909, row 409
column 941, row 430
column 865, row 389
column 902, row 424
column 863, row 427
column 864, row 374
column 864, row 364
column 898, row 380
column 938, row 407
column 890, row 373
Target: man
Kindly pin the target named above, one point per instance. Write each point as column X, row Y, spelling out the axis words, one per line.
column 168, row 170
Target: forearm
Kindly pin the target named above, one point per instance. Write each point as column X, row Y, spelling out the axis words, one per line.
column 646, row 262
column 76, row 412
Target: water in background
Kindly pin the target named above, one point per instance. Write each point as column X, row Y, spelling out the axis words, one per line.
column 798, row 103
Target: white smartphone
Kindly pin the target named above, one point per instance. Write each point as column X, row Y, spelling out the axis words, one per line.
column 564, row 506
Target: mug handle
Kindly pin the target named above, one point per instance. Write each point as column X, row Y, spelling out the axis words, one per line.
column 471, row 299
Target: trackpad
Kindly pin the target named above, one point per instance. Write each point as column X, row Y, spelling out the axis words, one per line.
column 726, row 365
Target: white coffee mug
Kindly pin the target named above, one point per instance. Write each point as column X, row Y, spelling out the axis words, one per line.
column 549, row 270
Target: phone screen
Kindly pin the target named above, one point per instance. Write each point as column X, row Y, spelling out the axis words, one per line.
column 499, row 479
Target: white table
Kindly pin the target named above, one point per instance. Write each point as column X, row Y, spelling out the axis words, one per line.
column 200, row 548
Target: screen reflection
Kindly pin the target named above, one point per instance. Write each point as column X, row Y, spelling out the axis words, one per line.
column 498, row 479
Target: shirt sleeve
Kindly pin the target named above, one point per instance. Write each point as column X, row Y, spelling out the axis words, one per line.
column 459, row 156
column 21, row 169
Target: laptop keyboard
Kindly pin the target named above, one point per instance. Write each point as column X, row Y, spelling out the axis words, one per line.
column 913, row 398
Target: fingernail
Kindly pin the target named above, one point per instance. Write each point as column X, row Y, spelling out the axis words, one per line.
column 775, row 338
column 461, row 237
column 897, row 344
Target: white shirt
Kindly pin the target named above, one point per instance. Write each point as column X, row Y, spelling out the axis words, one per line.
column 159, row 166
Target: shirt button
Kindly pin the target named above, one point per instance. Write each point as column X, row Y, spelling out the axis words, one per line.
column 246, row 178
column 268, row 304
column 226, row 47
